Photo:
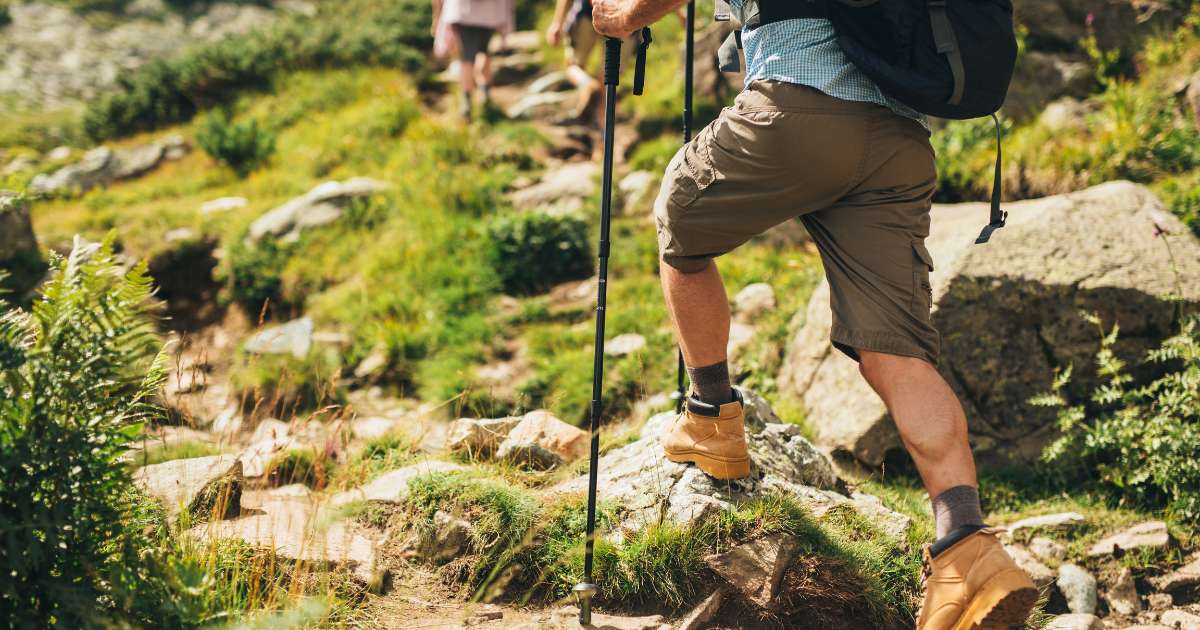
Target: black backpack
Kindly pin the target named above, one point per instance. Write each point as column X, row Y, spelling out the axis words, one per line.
column 945, row 58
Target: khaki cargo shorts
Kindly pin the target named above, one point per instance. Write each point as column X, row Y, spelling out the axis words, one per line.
column 860, row 177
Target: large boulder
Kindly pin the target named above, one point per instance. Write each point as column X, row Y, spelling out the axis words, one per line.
column 322, row 205
column 1041, row 77
column 102, row 166
column 650, row 487
column 203, row 486
column 19, row 254
column 561, row 190
column 542, row 441
column 1009, row 316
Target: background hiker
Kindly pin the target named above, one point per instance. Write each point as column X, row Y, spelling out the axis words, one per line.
column 468, row 25
column 812, row 136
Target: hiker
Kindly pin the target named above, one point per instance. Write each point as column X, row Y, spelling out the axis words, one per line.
column 811, row 135
column 468, row 26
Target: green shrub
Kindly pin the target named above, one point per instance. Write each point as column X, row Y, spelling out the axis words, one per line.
column 242, row 147
column 5, row 16
column 165, row 91
column 963, row 150
column 75, row 376
column 1140, row 441
column 1183, row 198
column 532, row 252
column 253, row 274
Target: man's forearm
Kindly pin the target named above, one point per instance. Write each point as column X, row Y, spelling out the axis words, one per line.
column 646, row 12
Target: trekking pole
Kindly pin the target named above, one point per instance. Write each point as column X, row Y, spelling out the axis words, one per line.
column 688, row 69
column 585, row 590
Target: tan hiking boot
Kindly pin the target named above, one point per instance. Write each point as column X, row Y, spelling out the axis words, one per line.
column 712, row 438
column 975, row 585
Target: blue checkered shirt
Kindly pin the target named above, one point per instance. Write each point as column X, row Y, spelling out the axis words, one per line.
column 805, row 52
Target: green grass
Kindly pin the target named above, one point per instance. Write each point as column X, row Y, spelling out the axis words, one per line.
column 183, row 449
column 388, row 452
column 299, row 465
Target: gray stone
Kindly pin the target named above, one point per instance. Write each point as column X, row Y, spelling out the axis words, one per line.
column 1075, row 622
column 204, row 486
column 140, row 160
column 16, row 228
column 639, row 477
column 322, row 205
column 1180, row 620
column 1184, row 577
column 1160, row 601
column 1061, row 521
column 741, row 336
column 637, row 191
column 479, row 437
column 539, row 105
column 570, row 182
column 1041, row 574
column 59, row 154
column 1078, row 587
column 294, row 337
column 1047, row 549
column 449, row 537
column 553, row 81
column 102, row 166
column 1122, row 596
column 371, row 428
column 392, row 487
column 371, row 365
column 624, row 345
column 270, row 429
column 223, row 204
column 1066, row 113
column 19, row 164
column 257, row 456
column 756, row 568
column 1008, row 314
column 1151, row 534
column 1041, row 77
column 752, row 301
column 698, row 617
column 542, row 441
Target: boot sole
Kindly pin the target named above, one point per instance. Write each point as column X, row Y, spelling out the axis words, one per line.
column 716, row 467
column 1002, row 602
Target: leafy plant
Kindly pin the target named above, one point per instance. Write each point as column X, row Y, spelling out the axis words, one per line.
column 1140, row 440
column 533, row 252
column 241, row 146
column 76, row 374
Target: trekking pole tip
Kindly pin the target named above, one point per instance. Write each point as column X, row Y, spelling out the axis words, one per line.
column 583, row 595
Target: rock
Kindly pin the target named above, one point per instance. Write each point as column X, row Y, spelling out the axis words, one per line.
column 1078, row 587
column 1193, row 96
column 1151, row 534
column 270, row 429
column 1042, row 77
column 1066, row 113
column 1060, row 521
column 17, row 240
column 296, row 531
column 752, row 301
column 637, row 191
column 223, row 204
column 740, row 337
column 542, row 441
column 1075, row 622
column 322, row 205
column 517, row 41
column 569, row 183
column 1047, row 549
column 650, row 487
column 539, row 105
column 19, row 164
column 1041, row 574
column 59, row 154
column 1009, row 315
column 1160, row 601
column 373, row 364
column 1060, row 24
column 484, row 614
column 1182, row 578
column 204, row 486
column 294, row 337
column 512, row 69
column 569, row 618
column 449, row 537
column 756, row 568
column 103, row 166
column 698, row 617
column 624, row 345
column 258, row 455
column 1180, row 620
column 554, row 81
column 479, row 438
column 371, row 428
column 1122, row 596
column 392, row 487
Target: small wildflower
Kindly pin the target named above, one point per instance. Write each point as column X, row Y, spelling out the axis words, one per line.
column 1091, row 19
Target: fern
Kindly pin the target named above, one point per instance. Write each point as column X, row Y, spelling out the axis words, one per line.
column 76, row 375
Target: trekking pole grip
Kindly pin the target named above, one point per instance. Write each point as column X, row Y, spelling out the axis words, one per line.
column 612, row 60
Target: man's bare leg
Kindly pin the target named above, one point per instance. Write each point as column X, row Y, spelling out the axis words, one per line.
column 933, row 427
column 699, row 309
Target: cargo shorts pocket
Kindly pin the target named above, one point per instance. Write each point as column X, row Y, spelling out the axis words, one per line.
column 922, row 299
column 694, row 173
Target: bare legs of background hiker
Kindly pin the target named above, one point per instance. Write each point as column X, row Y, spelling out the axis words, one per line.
column 927, row 413
column 477, row 71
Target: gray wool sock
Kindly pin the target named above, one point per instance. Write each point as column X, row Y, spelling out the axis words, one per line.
column 711, row 384
column 956, row 507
